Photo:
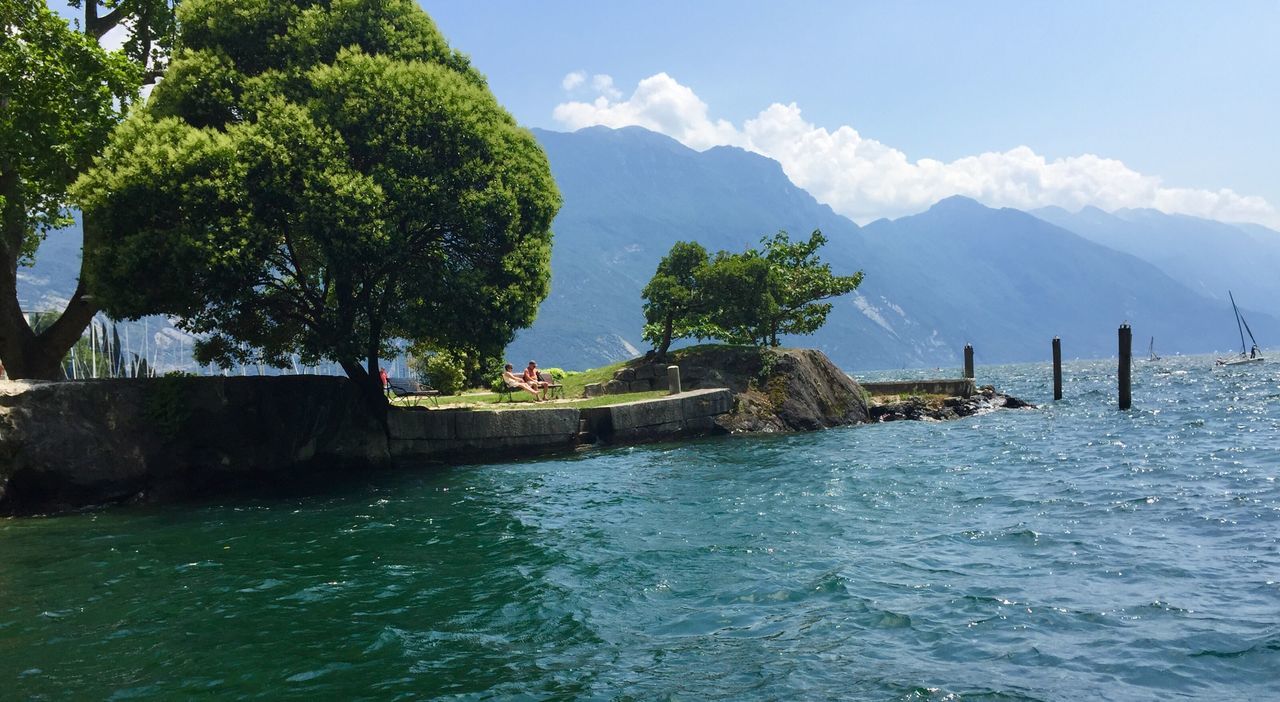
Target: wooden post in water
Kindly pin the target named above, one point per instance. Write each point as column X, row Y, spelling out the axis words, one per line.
column 1126, row 362
column 1057, row 368
column 968, row 361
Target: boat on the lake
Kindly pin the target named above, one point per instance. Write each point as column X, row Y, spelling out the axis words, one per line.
column 1151, row 351
column 1252, row 355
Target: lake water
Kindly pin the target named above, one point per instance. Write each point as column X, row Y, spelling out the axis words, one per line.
column 1066, row 553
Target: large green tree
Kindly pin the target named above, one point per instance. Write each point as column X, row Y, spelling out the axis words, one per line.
column 60, row 96
column 318, row 178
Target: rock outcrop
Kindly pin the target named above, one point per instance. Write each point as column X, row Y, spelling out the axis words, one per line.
column 775, row 390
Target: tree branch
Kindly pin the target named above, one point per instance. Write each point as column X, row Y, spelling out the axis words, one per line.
column 96, row 26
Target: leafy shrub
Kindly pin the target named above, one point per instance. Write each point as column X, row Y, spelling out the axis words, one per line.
column 441, row 370
column 487, row 370
column 557, row 373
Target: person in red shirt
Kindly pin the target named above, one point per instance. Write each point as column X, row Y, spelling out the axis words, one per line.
column 517, row 382
column 386, row 380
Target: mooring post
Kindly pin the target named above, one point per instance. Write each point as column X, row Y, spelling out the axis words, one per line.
column 968, row 361
column 1057, row 368
column 673, row 380
column 1126, row 361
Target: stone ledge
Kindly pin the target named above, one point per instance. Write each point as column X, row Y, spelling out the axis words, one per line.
column 951, row 387
column 666, row 417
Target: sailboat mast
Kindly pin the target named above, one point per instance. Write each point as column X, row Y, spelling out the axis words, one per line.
column 1247, row 329
column 1239, row 326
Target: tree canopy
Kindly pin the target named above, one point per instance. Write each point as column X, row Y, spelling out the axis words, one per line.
column 799, row 281
column 743, row 298
column 60, row 96
column 673, row 296
column 318, row 178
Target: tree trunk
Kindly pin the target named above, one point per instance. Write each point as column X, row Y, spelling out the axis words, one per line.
column 368, row 388
column 24, row 354
column 667, row 328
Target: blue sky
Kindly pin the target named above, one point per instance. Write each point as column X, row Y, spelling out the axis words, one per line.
column 1184, row 93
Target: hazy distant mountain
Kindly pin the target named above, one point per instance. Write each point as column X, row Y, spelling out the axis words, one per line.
column 46, row 287
column 49, row 283
column 1207, row 256
column 629, row 194
column 1008, row 282
column 961, row 272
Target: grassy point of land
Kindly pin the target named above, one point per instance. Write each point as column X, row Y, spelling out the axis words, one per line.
column 489, row 401
column 574, row 384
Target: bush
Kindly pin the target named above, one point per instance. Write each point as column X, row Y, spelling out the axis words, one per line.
column 557, row 373
column 486, row 371
column 441, row 370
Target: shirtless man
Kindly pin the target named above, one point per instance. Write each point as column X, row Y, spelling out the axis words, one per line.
column 514, row 381
column 530, row 376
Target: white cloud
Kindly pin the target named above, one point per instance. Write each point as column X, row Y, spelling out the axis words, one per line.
column 658, row 103
column 864, row 179
column 602, row 83
column 573, row 80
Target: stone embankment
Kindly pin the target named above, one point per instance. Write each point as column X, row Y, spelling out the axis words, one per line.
column 67, row 445
column 423, row 434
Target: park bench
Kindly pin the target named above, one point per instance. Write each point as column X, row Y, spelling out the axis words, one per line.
column 554, row 389
column 507, row 390
column 412, row 390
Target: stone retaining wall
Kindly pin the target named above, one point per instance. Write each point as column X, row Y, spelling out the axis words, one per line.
column 686, row 414
column 653, row 376
column 950, row 387
column 66, row 445
column 449, row 432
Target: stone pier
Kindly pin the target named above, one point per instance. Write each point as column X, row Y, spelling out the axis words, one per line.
column 66, row 445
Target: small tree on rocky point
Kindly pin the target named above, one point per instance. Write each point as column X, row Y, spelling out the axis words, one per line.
column 799, row 281
column 672, row 307
column 742, row 298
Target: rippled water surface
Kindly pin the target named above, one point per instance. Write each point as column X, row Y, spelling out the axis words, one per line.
column 1071, row 552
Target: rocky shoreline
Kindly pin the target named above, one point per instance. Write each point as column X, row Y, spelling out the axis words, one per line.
column 940, row 409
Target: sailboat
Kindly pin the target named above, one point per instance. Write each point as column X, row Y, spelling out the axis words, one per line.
column 1253, row 355
column 1151, row 351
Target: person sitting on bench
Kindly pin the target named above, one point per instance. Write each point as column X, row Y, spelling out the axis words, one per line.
column 515, row 382
column 530, row 376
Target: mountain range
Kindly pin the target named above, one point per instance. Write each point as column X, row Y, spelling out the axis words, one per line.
column 1004, row 280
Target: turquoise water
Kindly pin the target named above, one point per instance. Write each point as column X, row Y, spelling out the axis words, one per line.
column 1072, row 552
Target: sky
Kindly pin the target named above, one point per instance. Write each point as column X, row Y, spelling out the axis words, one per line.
column 880, row 109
